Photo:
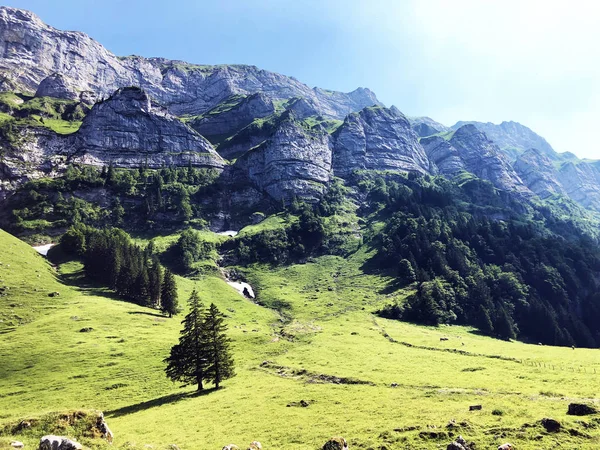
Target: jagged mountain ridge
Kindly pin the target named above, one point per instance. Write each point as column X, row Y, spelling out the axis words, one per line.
column 513, row 138
column 241, row 109
column 31, row 51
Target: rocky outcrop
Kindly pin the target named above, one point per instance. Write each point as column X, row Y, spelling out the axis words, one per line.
column 30, row 51
column 232, row 115
column 293, row 162
column 444, row 158
column 301, row 108
column 581, row 183
column 512, row 138
column 51, row 442
column 483, row 158
column 31, row 153
column 538, row 173
column 426, row 126
column 57, row 86
column 377, row 138
column 129, row 130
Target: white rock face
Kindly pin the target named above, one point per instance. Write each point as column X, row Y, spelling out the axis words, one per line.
column 293, row 162
column 483, row 158
column 538, row 173
column 31, row 51
column 512, row 138
column 582, row 183
column 129, row 130
column 377, row 139
column 444, row 157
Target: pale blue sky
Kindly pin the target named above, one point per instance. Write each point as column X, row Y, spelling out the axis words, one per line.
column 533, row 61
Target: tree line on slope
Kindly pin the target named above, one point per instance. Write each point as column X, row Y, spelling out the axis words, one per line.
column 498, row 270
column 112, row 259
column 143, row 196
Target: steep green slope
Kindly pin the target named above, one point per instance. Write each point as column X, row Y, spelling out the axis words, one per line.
column 376, row 382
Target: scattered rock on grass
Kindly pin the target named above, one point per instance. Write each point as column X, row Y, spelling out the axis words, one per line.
column 86, row 330
column 51, row 442
column 506, row 446
column 231, row 447
column 255, row 445
column 54, row 294
column 336, row 443
column 17, row 444
column 581, row 409
column 475, row 408
column 551, row 425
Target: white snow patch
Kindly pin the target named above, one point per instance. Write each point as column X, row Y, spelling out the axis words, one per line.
column 240, row 285
column 230, row 233
column 43, row 249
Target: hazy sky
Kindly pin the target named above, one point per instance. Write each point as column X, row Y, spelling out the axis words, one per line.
column 535, row 62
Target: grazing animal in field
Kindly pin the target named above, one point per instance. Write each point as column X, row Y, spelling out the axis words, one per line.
column 255, row 445
column 231, row 447
column 51, row 442
column 443, row 339
column 505, row 447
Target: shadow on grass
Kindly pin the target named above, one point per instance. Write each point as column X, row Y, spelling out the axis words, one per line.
column 165, row 400
column 162, row 316
column 82, row 283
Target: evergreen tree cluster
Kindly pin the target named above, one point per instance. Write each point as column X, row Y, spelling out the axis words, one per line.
column 505, row 276
column 111, row 258
column 304, row 237
column 203, row 352
column 169, row 194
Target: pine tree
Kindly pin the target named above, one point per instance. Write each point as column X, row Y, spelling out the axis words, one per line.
column 406, row 272
column 168, row 294
column 155, row 278
column 110, row 174
column 220, row 363
column 188, row 360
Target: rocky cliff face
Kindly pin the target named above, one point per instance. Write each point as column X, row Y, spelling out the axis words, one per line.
column 226, row 119
column 129, row 130
column 377, row 138
column 443, row 156
column 294, row 162
column 538, row 173
column 582, row 183
column 512, row 138
column 30, row 51
column 425, row 126
column 283, row 148
column 483, row 158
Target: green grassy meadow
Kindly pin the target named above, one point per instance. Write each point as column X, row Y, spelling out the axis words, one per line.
column 311, row 335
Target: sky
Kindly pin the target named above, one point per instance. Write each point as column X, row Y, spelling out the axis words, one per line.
column 536, row 62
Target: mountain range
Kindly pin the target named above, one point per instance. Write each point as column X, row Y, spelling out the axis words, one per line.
column 66, row 99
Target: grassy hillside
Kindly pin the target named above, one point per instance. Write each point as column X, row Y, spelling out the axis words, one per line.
column 315, row 339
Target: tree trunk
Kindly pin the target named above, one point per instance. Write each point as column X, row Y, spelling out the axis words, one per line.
column 200, row 387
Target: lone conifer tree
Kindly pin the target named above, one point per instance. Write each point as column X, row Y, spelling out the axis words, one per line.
column 168, row 294
column 219, row 361
column 188, row 360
